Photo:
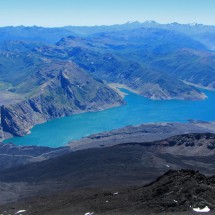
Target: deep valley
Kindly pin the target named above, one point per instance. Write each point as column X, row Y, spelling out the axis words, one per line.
column 74, row 67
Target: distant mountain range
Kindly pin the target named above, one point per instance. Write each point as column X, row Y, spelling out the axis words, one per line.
column 53, row 72
column 204, row 33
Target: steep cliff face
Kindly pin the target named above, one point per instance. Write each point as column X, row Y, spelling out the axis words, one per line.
column 69, row 91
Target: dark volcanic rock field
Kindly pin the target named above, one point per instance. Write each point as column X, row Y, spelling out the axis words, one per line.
column 108, row 168
column 175, row 192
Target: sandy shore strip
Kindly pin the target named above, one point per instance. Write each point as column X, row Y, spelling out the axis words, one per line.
column 117, row 87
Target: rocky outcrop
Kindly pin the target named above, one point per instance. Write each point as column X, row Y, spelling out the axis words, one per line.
column 69, row 91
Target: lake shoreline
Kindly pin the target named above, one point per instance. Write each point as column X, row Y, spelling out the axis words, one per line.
column 138, row 110
column 147, row 132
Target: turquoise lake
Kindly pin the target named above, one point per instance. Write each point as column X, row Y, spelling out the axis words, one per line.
column 138, row 110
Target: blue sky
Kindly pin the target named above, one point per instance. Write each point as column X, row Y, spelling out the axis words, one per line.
column 97, row 12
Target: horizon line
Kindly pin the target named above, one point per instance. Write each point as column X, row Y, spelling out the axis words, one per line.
column 192, row 24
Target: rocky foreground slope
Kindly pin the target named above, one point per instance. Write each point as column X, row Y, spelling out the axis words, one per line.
column 116, row 167
column 175, row 192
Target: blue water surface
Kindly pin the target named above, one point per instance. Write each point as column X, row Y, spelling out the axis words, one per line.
column 59, row 132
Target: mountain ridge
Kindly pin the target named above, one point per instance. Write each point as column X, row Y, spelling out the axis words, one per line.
column 68, row 91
